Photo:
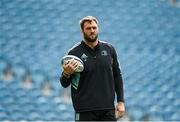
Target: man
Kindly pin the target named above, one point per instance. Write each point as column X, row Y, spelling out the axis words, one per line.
column 93, row 99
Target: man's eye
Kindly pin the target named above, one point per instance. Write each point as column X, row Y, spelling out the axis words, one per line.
column 89, row 28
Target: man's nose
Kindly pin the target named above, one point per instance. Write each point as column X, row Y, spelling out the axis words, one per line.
column 92, row 30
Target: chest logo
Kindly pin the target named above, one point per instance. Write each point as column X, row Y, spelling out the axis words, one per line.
column 104, row 53
column 84, row 57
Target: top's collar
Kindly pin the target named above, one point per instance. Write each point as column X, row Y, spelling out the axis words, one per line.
column 95, row 48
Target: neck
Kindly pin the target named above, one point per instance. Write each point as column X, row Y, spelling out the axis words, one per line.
column 91, row 44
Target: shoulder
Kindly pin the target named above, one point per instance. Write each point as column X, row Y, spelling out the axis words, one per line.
column 109, row 47
column 75, row 48
column 106, row 44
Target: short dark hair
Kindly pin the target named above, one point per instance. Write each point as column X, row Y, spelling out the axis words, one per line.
column 87, row 18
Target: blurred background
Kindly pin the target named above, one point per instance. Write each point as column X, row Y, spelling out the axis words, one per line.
column 35, row 34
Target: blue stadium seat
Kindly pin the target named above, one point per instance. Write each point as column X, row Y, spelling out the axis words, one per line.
column 3, row 116
column 34, row 116
column 3, row 65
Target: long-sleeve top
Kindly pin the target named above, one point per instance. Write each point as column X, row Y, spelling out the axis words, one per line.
column 100, row 79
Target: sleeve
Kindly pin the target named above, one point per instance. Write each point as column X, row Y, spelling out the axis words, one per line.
column 117, row 77
column 65, row 82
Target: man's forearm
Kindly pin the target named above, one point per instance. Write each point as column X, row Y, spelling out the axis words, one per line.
column 65, row 80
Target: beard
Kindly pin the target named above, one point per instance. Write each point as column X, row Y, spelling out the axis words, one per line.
column 91, row 38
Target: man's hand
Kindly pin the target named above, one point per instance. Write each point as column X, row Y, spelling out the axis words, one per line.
column 120, row 110
column 69, row 67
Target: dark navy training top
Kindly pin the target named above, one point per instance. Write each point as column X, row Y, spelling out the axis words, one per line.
column 100, row 79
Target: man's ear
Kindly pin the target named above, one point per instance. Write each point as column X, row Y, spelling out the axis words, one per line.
column 81, row 30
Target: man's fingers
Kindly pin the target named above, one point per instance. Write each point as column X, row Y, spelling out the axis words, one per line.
column 75, row 64
column 120, row 110
column 66, row 62
column 70, row 66
column 119, row 114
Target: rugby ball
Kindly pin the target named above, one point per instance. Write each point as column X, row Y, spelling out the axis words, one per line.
column 80, row 67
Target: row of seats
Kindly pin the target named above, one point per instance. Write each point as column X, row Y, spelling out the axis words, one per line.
column 30, row 104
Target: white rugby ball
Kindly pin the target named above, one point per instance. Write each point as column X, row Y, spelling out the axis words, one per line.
column 80, row 67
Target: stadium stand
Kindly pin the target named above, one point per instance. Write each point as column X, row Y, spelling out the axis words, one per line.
column 34, row 35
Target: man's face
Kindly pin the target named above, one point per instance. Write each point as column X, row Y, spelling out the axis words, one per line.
column 90, row 31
